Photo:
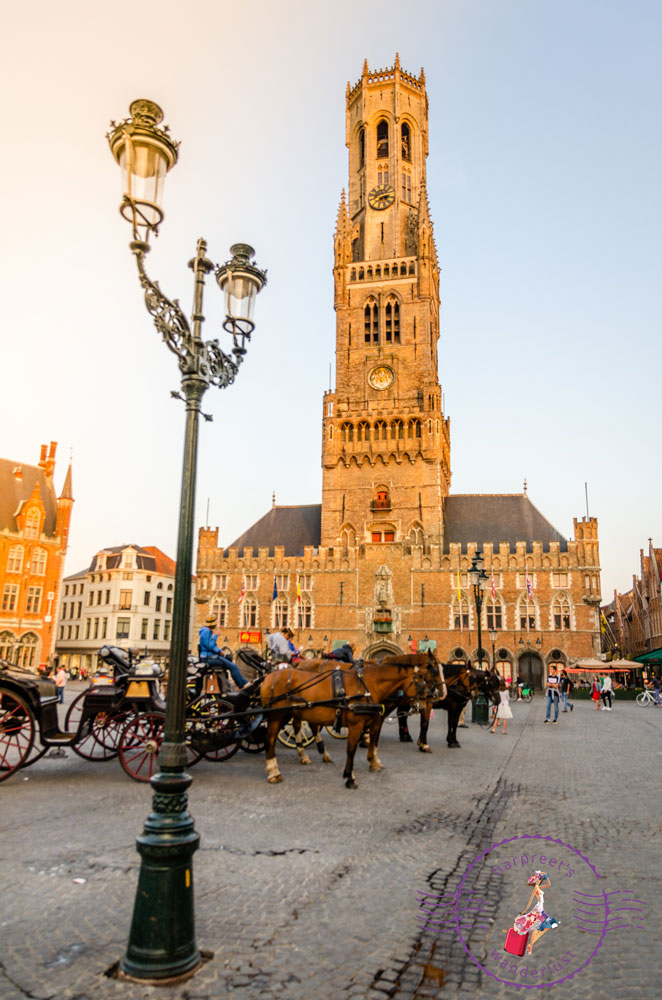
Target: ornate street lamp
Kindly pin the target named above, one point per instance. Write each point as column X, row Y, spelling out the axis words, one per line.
column 162, row 938
column 478, row 579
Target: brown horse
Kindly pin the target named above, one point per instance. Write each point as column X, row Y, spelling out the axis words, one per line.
column 307, row 694
column 464, row 684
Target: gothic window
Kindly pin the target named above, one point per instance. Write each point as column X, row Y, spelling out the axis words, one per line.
column 382, row 139
column 32, row 523
column 219, row 607
column 416, row 535
column 403, row 268
column 249, row 612
column 363, row 431
column 405, row 137
column 361, row 147
column 27, row 650
column 382, row 500
column 281, row 612
column 15, row 559
column 460, row 612
column 406, row 186
column 39, row 557
column 378, row 272
column 397, row 430
column 305, row 612
column 561, row 613
column 380, row 430
column 527, row 613
column 369, row 274
column 414, row 429
column 392, row 321
column 348, row 538
column 371, row 323
column 361, row 272
column 6, row 645
column 494, row 614
column 347, row 432
column 386, row 271
column 412, row 267
column 382, row 173
column 353, row 275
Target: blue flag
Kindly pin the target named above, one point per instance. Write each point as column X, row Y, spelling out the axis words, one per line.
column 275, row 593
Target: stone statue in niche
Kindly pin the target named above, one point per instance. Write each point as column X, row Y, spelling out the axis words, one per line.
column 383, row 588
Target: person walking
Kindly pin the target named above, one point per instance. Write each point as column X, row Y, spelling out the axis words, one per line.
column 504, row 711
column 552, row 688
column 60, row 683
column 595, row 692
column 565, row 685
column 211, row 654
column 606, row 692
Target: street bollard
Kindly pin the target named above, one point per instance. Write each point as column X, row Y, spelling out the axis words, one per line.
column 479, row 710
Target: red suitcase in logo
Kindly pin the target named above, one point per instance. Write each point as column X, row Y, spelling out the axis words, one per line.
column 516, row 943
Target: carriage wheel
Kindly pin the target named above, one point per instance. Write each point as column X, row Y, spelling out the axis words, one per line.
column 287, row 737
column 139, row 745
column 342, row 735
column 211, row 714
column 256, row 741
column 101, row 741
column 35, row 754
column 17, row 731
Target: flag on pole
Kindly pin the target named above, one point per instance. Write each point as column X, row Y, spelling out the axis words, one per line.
column 603, row 623
column 298, row 591
column 275, row 591
column 243, row 589
column 459, row 592
column 529, row 589
column 493, row 588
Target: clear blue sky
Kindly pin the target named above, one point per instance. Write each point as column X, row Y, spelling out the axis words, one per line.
column 544, row 186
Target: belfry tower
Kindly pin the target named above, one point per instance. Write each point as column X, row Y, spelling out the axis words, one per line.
column 386, row 443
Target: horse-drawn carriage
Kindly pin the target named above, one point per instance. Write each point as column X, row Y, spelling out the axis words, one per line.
column 124, row 714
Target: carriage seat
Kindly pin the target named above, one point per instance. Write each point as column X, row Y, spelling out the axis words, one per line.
column 147, row 670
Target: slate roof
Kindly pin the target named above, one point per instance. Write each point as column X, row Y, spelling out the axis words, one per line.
column 13, row 492
column 489, row 517
column 291, row 527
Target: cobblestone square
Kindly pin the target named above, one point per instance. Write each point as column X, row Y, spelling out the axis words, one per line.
column 307, row 889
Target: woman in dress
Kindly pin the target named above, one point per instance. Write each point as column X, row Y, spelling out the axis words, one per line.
column 534, row 918
column 595, row 693
column 504, row 711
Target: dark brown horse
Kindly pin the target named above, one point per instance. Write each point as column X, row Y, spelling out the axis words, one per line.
column 464, row 684
column 312, row 696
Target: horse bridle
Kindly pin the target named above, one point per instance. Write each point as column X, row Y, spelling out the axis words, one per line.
column 431, row 689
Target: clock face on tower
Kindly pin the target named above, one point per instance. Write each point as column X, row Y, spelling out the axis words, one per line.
column 381, row 197
column 381, row 377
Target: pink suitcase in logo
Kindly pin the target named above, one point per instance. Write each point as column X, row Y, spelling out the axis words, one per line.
column 516, row 943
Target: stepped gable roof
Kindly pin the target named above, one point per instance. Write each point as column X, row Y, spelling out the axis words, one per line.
column 291, row 527
column 17, row 482
column 495, row 518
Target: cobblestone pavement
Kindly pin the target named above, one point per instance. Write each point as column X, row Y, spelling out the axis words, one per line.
column 307, row 889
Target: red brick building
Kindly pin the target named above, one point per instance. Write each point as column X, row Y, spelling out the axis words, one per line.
column 383, row 561
column 34, row 529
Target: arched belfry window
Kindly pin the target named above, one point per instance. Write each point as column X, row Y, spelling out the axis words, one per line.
column 392, row 321
column 371, row 323
column 382, row 139
column 361, row 146
column 405, row 136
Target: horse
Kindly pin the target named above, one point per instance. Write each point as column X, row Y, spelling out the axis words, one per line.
column 313, row 697
column 464, row 683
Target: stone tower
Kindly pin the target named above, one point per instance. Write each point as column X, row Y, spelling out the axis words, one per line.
column 386, row 443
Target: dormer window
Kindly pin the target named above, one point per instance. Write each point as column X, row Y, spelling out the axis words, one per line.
column 382, row 139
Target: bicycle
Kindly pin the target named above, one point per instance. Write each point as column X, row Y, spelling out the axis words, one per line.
column 647, row 698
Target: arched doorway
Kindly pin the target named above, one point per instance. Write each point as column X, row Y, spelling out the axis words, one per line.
column 531, row 671
column 378, row 650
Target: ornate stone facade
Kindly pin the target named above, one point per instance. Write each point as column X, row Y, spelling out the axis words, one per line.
column 384, row 560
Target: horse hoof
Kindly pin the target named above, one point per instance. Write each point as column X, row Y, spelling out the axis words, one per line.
column 351, row 784
column 453, row 746
column 305, row 760
column 424, row 748
column 326, row 759
column 405, row 738
column 275, row 778
column 376, row 767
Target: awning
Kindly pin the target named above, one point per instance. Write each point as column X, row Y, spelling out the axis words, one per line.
column 655, row 656
column 598, row 670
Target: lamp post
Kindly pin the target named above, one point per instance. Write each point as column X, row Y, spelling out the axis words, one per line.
column 493, row 639
column 162, row 938
column 478, row 579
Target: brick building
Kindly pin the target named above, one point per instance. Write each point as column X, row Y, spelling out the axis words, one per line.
column 34, row 529
column 123, row 598
column 632, row 622
column 383, row 561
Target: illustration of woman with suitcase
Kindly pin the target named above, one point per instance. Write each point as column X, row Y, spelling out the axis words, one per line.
column 532, row 919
